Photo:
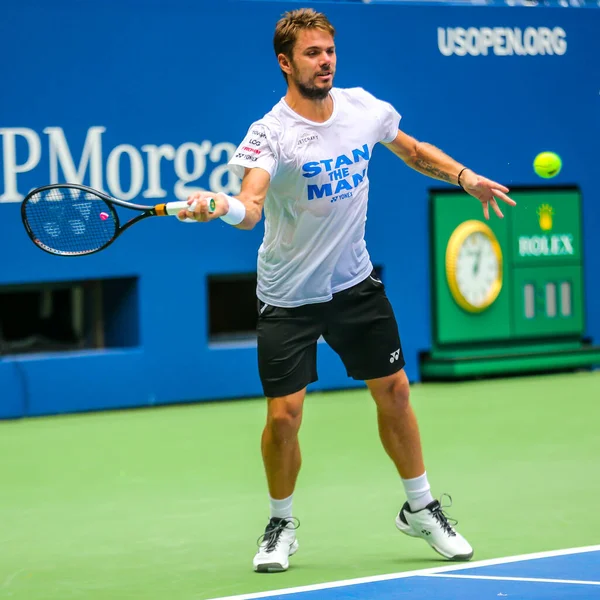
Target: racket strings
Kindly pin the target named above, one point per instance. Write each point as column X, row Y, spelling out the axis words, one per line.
column 70, row 221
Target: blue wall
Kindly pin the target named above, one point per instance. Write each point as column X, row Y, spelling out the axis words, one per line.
column 181, row 72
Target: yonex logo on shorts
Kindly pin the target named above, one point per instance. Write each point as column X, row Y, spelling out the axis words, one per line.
column 395, row 355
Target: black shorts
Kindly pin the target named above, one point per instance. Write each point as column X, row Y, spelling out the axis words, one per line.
column 358, row 323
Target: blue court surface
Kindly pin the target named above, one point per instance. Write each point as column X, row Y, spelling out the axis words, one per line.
column 572, row 573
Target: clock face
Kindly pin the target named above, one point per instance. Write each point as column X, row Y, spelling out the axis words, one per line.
column 474, row 266
column 477, row 269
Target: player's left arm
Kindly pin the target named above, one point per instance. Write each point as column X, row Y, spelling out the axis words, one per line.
column 431, row 161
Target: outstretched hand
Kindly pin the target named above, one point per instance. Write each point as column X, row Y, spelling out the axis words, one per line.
column 486, row 191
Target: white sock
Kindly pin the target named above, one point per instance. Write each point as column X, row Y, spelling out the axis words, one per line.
column 281, row 509
column 418, row 492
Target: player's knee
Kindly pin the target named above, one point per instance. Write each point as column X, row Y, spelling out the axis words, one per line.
column 284, row 418
column 401, row 391
column 283, row 426
column 393, row 394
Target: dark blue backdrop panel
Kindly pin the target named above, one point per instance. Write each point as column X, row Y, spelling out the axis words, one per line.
column 148, row 99
column 13, row 389
column 63, row 383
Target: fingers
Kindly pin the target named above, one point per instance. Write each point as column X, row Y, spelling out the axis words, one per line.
column 498, row 193
column 186, row 215
column 198, row 207
column 494, row 203
column 498, row 187
column 496, row 208
column 488, row 192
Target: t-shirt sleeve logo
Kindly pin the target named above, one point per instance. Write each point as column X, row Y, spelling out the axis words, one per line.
column 337, row 177
column 253, row 145
column 255, row 151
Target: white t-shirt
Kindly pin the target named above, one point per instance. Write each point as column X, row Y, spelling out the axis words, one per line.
column 316, row 206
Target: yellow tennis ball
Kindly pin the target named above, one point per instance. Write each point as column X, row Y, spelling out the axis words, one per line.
column 547, row 164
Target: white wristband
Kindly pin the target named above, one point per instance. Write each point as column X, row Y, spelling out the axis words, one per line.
column 236, row 213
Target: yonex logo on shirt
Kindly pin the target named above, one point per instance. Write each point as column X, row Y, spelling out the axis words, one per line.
column 246, row 156
column 394, row 356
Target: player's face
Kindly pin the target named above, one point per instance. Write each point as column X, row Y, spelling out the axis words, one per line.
column 313, row 63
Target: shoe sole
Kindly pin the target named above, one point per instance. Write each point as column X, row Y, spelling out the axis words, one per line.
column 276, row 567
column 407, row 530
column 457, row 558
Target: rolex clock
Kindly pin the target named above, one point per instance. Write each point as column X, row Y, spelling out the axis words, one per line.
column 474, row 266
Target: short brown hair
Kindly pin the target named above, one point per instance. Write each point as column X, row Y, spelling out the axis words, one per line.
column 290, row 25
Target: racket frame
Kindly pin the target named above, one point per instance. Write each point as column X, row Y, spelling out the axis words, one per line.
column 158, row 210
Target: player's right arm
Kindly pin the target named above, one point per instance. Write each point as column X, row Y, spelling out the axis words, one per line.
column 255, row 184
column 255, row 162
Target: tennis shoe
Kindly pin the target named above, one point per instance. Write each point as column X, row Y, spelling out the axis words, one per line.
column 432, row 525
column 276, row 545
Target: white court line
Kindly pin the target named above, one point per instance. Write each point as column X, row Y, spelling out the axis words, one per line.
column 534, row 579
column 402, row 575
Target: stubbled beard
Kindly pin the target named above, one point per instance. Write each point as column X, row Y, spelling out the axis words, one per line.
column 312, row 92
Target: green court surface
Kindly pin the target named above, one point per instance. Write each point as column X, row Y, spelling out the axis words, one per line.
column 167, row 503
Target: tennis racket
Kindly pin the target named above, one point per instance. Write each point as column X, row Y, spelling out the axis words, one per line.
column 68, row 219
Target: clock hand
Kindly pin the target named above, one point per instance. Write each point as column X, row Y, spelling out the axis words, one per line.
column 477, row 263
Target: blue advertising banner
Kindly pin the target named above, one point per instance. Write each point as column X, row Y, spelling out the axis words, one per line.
column 148, row 101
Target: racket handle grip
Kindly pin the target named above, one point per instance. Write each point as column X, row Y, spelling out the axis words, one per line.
column 172, row 208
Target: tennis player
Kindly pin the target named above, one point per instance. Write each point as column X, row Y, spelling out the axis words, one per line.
column 305, row 164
